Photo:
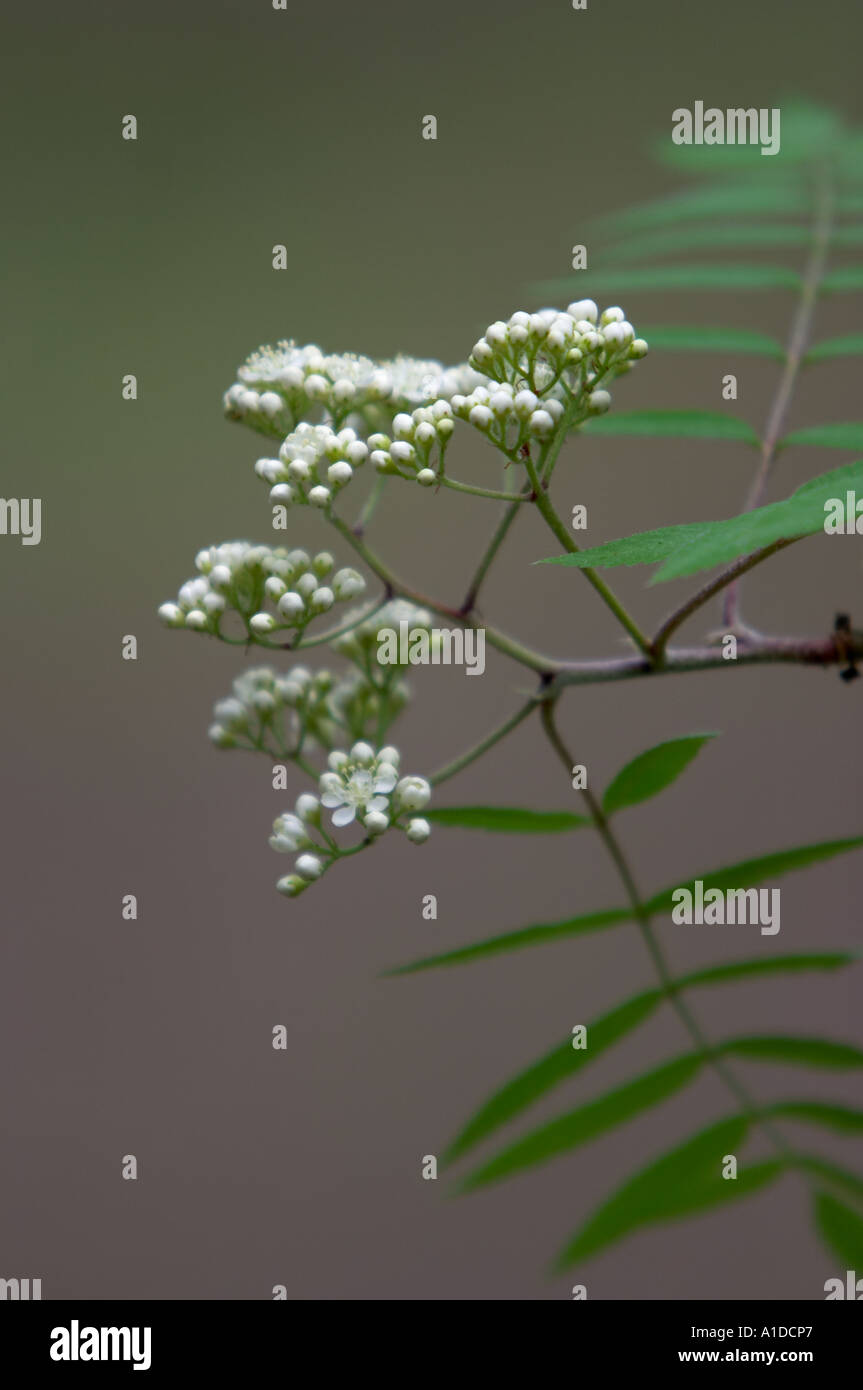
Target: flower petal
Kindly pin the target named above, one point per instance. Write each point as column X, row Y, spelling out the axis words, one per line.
column 344, row 815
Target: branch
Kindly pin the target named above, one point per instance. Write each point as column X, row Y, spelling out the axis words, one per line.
column 679, row 616
column 841, row 648
column 797, row 343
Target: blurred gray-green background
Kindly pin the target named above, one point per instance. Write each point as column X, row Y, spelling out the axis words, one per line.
column 154, row 1037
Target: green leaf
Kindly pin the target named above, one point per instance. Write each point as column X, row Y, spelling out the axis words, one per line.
column 651, row 772
column 749, row 873
column 695, row 546
column 673, row 424
column 830, row 436
column 805, row 1052
column 685, row 338
column 768, row 965
column 841, row 1118
column 510, row 820
column 686, row 1179
column 588, row 1121
column 673, row 239
column 563, row 1061
column 518, row 940
column 851, row 278
column 841, row 1228
column 706, row 203
column 850, row 345
column 800, row 515
column 677, row 277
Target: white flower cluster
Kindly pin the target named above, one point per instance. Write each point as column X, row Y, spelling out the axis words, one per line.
column 270, row 711
column 278, row 387
column 542, row 361
column 510, row 416
column 360, row 645
column 420, row 440
column 243, row 578
column 362, row 785
column 314, row 464
column 277, row 713
column 359, row 706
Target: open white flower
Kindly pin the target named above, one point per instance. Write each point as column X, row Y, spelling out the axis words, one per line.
column 359, row 784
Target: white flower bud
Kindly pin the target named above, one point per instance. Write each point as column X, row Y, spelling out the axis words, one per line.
column 274, row 587
column 376, row 822
column 323, row 563
column 583, row 309
column 426, row 477
column 270, row 403
column 389, row 755
column 197, row 620
column 262, row 622
column 339, row 473
column 347, row 584
column 220, row 577
column 402, row 452
column 525, row 402
column 612, row 315
column 363, row 753
column 480, row 416
column 306, row 585
column 321, row 600
column 308, row 808
column 291, row 885
column 290, row 605
column 638, row 348
column 309, row 867
column 171, row 615
column 220, row 736
column 599, row 401
column 541, row 422
column 320, row 496
column 403, row 426
column 418, row 830
column 413, row 793
column 317, row 387
column 283, row 492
